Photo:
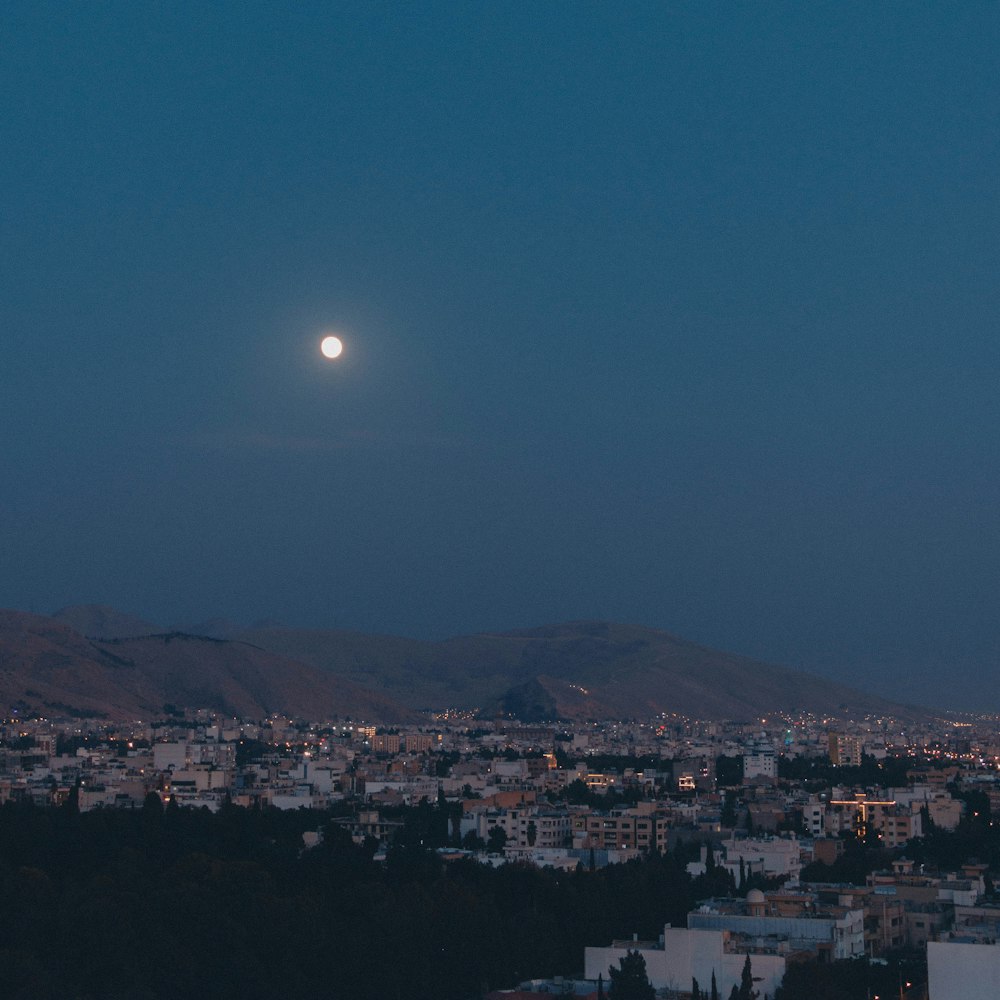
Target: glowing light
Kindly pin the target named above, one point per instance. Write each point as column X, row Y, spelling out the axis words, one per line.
column 332, row 347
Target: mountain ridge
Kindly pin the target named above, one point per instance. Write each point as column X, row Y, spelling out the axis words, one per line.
column 48, row 668
column 627, row 670
column 586, row 669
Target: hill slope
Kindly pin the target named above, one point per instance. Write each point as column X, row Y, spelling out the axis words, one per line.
column 589, row 670
column 576, row 670
column 101, row 622
column 48, row 668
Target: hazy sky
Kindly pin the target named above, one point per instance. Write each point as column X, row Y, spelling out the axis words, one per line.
column 676, row 314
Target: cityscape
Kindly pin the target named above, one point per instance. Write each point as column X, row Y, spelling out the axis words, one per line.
column 828, row 844
column 499, row 500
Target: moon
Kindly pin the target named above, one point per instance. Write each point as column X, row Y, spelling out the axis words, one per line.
column 332, row 347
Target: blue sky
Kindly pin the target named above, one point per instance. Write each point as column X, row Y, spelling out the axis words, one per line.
column 676, row 314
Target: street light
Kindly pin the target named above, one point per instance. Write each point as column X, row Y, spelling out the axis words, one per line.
column 903, row 986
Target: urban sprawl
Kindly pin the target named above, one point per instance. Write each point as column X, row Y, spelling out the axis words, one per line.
column 771, row 802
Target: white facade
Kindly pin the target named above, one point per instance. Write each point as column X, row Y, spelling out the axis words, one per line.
column 842, row 933
column 684, row 954
column 760, row 760
column 411, row 789
column 167, row 755
column 771, row 855
column 960, row 971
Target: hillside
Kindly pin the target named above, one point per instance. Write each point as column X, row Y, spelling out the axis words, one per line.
column 50, row 669
column 588, row 670
column 98, row 621
column 577, row 670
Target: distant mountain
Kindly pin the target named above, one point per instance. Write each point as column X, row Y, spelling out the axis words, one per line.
column 50, row 669
column 577, row 670
column 213, row 628
column 101, row 622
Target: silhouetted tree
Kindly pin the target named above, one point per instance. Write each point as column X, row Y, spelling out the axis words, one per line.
column 729, row 770
column 473, row 842
column 728, row 816
column 497, row 840
column 152, row 805
column 630, row 982
column 746, row 991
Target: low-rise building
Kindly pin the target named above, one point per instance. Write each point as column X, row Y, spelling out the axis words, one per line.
column 831, row 931
column 683, row 954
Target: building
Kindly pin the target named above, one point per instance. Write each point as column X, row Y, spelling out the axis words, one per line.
column 772, row 856
column 386, row 743
column 963, row 970
column 683, row 954
column 760, row 760
column 640, row 828
column 845, row 751
column 831, row 932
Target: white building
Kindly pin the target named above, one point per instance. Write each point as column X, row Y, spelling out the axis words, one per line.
column 684, row 954
column 760, row 760
column 959, row 970
column 772, row 856
column 834, row 931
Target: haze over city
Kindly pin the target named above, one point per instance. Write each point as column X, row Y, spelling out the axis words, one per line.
column 669, row 315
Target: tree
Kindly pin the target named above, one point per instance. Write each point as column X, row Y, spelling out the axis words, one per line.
column 729, row 770
column 746, row 991
column 728, row 817
column 695, row 991
column 532, row 833
column 152, row 805
column 577, row 793
column 72, row 803
column 630, row 982
column 497, row 840
column 714, row 995
column 473, row 842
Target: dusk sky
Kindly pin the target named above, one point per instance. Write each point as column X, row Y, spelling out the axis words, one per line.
column 675, row 314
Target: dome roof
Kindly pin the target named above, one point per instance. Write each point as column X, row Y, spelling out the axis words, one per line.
column 755, row 896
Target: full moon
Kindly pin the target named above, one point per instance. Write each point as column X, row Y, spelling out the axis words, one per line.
column 332, row 347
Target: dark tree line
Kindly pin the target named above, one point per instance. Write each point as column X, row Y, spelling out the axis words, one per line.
column 168, row 903
column 854, row 979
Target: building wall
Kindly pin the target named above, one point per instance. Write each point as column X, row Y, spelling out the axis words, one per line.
column 760, row 761
column 845, row 935
column 959, row 971
column 386, row 743
column 166, row 755
column 686, row 954
column 845, row 751
column 780, row 856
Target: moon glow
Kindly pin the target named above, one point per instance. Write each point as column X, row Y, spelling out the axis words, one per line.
column 332, row 347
